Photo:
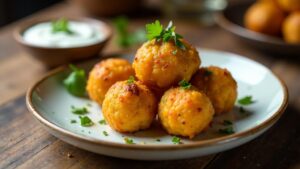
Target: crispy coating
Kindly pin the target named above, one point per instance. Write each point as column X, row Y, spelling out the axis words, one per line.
column 129, row 107
column 104, row 75
column 163, row 64
column 219, row 85
column 185, row 112
column 291, row 28
column 264, row 17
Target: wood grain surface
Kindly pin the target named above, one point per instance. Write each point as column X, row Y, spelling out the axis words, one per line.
column 25, row 144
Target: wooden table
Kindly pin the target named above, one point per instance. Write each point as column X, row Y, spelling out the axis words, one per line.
column 25, row 144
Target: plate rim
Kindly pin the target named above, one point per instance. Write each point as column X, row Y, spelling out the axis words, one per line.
column 197, row 144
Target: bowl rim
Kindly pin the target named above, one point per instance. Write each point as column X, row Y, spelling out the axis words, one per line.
column 241, row 31
column 197, row 144
column 19, row 30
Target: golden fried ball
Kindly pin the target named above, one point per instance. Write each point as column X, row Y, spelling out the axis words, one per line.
column 218, row 85
column 185, row 112
column 162, row 64
column 129, row 107
column 291, row 28
column 289, row 5
column 264, row 17
column 104, row 75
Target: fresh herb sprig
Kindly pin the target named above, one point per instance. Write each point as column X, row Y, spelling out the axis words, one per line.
column 156, row 31
column 128, row 140
column 228, row 130
column 76, row 81
column 131, row 80
column 102, row 122
column 79, row 110
column 176, row 140
column 61, row 25
column 124, row 37
column 184, row 84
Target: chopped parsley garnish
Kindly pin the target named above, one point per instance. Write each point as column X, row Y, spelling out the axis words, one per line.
column 176, row 140
column 61, row 25
column 128, row 140
column 228, row 130
column 247, row 100
column 124, row 37
column 158, row 140
column 85, row 121
column 155, row 31
column 73, row 121
column 102, row 122
column 207, row 72
column 79, row 110
column 227, row 123
column 105, row 133
column 174, row 52
column 242, row 110
column 130, row 80
column 76, row 81
column 184, row 84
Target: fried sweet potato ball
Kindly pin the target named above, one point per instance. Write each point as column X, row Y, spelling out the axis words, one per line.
column 185, row 112
column 219, row 85
column 104, row 75
column 264, row 17
column 289, row 5
column 129, row 107
column 163, row 64
column 291, row 28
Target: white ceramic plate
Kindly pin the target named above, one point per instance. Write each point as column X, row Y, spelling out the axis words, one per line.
column 51, row 104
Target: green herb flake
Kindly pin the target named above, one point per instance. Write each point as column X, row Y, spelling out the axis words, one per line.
column 176, row 140
column 158, row 140
column 79, row 110
column 247, row 100
column 76, row 81
column 61, row 25
column 242, row 110
column 228, row 130
column 155, row 31
column 85, row 121
column 73, row 121
column 227, row 123
column 128, row 140
column 131, row 80
column 184, row 84
column 207, row 72
column 105, row 133
column 102, row 122
column 174, row 52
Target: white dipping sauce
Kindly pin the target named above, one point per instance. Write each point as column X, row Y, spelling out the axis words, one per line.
column 83, row 34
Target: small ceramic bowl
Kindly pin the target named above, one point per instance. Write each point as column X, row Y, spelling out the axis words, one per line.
column 54, row 56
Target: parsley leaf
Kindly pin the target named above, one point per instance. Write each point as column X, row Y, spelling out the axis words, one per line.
column 124, row 37
column 128, row 140
column 105, row 133
column 155, row 31
column 85, row 121
column 176, row 140
column 76, row 81
column 227, row 123
column 158, row 140
column 247, row 100
column 228, row 130
column 184, row 84
column 80, row 110
column 61, row 25
column 102, row 122
column 130, row 80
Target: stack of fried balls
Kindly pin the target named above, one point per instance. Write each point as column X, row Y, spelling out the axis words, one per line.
column 164, row 82
column 275, row 18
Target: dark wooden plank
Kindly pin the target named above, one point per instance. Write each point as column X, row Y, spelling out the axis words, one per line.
column 279, row 148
